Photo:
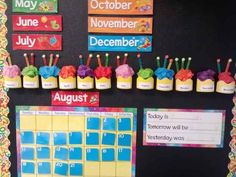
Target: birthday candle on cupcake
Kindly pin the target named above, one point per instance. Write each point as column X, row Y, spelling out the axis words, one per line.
column 124, row 74
column 11, row 74
column 30, row 73
column 184, row 82
column 145, row 79
column 103, row 74
column 85, row 75
column 164, row 75
column 49, row 72
column 226, row 82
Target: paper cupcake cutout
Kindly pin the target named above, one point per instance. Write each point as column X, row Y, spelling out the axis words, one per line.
column 67, row 77
column 12, row 75
column 145, row 80
column 184, row 82
column 124, row 74
column 30, row 73
column 206, row 81
column 85, row 75
column 164, row 75
column 103, row 74
column 49, row 73
column 226, row 82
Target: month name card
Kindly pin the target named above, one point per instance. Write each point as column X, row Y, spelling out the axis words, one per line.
column 184, row 128
column 76, row 141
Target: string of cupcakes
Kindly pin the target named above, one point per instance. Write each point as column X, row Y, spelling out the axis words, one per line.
column 85, row 78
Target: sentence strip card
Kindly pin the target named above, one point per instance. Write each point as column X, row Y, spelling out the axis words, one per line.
column 121, row 7
column 184, row 128
column 37, row 22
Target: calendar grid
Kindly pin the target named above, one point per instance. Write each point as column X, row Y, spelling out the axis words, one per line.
column 79, row 142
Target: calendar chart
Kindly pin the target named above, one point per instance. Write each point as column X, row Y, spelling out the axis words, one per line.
column 76, row 141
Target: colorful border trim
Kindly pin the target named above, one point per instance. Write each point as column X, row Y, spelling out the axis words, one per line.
column 4, row 120
column 79, row 109
column 232, row 144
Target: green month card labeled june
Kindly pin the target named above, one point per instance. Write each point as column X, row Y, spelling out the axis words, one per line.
column 35, row 6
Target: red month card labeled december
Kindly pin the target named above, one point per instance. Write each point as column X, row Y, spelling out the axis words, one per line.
column 37, row 22
column 37, row 42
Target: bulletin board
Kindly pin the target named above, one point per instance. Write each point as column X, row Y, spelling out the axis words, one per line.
column 202, row 29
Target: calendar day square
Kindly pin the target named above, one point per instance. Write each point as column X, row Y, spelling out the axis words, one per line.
column 76, row 169
column 124, row 154
column 42, row 138
column 27, row 153
column 108, row 169
column 92, row 138
column 43, row 152
column 75, row 138
column 28, row 167
column 108, row 154
column 91, row 169
column 60, row 123
column 27, row 137
column 93, row 123
column 44, row 168
column 43, row 123
column 124, row 140
column 108, row 138
column 92, row 154
column 109, row 124
column 76, row 123
column 61, row 153
column 59, row 138
column 124, row 124
column 123, row 169
column 27, row 122
column 61, row 168
column 75, row 153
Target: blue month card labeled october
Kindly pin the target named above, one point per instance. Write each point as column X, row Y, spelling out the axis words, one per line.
column 108, row 139
column 75, row 153
column 109, row 124
column 59, row 138
column 75, row 138
column 44, row 168
column 108, row 154
column 93, row 123
column 27, row 153
column 124, row 140
column 120, row 43
column 76, row 169
column 124, row 124
column 92, row 138
column 92, row 154
column 61, row 153
column 42, row 138
column 27, row 137
column 124, row 154
column 28, row 167
column 43, row 152
column 61, row 169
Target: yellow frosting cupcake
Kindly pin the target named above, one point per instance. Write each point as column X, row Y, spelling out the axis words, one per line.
column 85, row 83
column 68, row 83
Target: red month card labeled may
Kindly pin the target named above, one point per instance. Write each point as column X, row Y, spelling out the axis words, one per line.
column 37, row 22
column 37, row 42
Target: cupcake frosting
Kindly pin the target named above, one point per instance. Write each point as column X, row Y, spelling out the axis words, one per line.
column 184, row 74
column 226, row 77
column 49, row 71
column 67, row 71
column 162, row 73
column 30, row 71
column 204, row 75
column 145, row 73
column 11, row 71
column 85, row 71
column 103, row 71
column 124, row 71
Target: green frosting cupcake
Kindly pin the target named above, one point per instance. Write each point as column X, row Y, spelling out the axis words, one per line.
column 145, row 73
column 30, row 71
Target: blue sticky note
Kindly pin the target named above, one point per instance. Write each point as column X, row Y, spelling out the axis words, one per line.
column 92, row 138
column 109, row 124
column 27, row 153
column 61, row 169
column 43, row 138
column 124, row 154
column 27, row 137
column 75, row 138
column 92, row 154
column 59, row 139
column 106, row 43
column 44, row 168
column 76, row 169
column 75, row 153
column 124, row 124
column 93, row 123
column 43, row 153
column 61, row 153
column 108, row 139
column 28, row 167
column 124, row 140
column 108, row 154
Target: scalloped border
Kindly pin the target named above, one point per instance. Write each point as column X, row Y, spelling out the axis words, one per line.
column 4, row 120
column 232, row 144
